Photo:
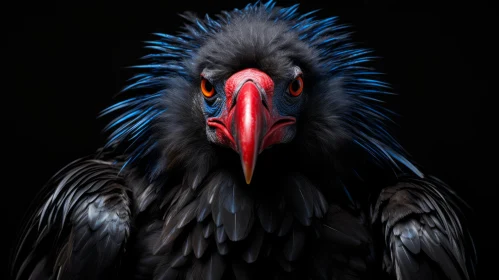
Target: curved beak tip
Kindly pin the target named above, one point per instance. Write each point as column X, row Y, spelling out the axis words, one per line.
column 248, row 180
column 248, row 173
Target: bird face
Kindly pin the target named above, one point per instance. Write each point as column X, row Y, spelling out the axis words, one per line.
column 250, row 111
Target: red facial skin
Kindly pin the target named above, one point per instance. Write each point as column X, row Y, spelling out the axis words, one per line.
column 249, row 123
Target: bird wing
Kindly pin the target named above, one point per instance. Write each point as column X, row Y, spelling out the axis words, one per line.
column 79, row 229
column 422, row 230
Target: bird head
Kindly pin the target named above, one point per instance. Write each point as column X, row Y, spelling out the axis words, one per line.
column 248, row 81
column 253, row 81
column 247, row 117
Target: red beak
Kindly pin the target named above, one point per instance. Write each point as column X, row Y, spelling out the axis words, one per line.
column 250, row 124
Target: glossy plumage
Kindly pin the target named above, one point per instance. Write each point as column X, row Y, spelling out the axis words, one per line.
column 336, row 198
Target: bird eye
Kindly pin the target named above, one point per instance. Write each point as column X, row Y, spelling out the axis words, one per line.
column 207, row 88
column 296, row 86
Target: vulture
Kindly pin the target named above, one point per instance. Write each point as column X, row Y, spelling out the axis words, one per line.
column 254, row 144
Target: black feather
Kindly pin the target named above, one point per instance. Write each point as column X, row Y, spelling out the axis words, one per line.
column 320, row 203
column 206, row 198
column 213, row 198
column 300, row 196
column 199, row 243
column 294, row 246
column 286, row 224
column 214, row 267
column 223, row 248
column 269, row 215
column 187, row 246
column 237, row 209
column 255, row 245
column 186, row 215
column 216, row 211
column 208, row 229
column 178, row 260
column 221, row 236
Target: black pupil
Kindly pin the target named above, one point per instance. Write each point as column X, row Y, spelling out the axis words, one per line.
column 208, row 86
column 295, row 85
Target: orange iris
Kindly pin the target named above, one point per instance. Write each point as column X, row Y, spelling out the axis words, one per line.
column 207, row 88
column 296, row 86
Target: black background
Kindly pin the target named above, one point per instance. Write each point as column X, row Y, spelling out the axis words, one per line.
column 69, row 60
